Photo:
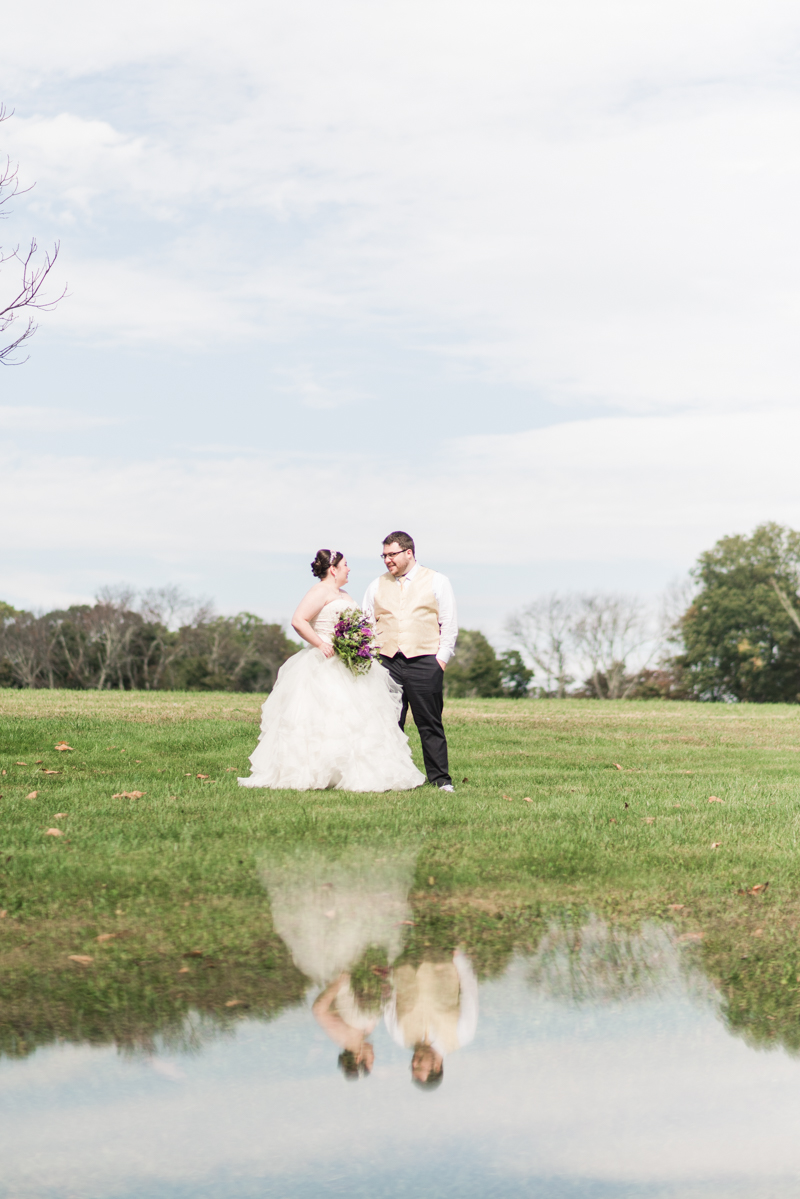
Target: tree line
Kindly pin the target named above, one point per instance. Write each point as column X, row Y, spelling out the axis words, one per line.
column 158, row 640
column 732, row 634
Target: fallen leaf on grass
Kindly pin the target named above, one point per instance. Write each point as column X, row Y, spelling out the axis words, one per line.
column 184, row 970
column 3, row 914
column 228, row 769
column 716, row 844
column 676, row 805
column 82, row 958
column 119, row 911
column 129, row 795
column 62, row 747
column 431, row 881
column 626, row 805
column 400, row 922
column 527, row 799
column 690, row 937
column 20, row 763
column 201, row 776
column 508, row 797
column 758, row 889
column 32, row 795
column 676, row 907
column 193, row 953
column 38, row 761
column 60, row 815
column 618, row 766
column 715, row 799
column 465, row 780
column 105, row 937
column 612, row 820
column 758, row 932
column 234, row 1003
column 51, row 772
column 54, row 832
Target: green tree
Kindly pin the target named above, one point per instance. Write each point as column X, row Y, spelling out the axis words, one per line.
column 515, row 675
column 475, row 670
column 230, row 653
column 741, row 633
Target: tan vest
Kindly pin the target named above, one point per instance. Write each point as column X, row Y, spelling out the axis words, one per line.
column 428, row 1004
column 407, row 615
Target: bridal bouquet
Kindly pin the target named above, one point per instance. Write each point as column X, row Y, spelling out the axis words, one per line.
column 352, row 640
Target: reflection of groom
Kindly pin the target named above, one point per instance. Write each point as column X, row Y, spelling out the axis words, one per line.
column 434, row 1011
column 414, row 613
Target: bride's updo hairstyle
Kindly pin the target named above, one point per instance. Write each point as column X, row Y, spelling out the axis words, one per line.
column 324, row 561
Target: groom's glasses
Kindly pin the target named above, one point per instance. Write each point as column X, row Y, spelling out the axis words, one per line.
column 394, row 555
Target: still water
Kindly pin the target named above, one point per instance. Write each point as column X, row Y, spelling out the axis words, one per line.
column 597, row 1065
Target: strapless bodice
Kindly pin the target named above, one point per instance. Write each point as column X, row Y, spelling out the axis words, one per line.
column 323, row 623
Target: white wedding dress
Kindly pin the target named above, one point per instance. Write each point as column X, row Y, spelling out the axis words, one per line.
column 322, row 726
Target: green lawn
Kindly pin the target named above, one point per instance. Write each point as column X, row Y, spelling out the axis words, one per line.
column 175, row 872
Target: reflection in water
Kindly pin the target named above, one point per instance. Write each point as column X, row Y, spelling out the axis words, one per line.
column 596, row 962
column 603, row 1068
column 433, row 1011
column 342, row 919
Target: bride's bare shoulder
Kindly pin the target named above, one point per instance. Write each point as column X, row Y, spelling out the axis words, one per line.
column 314, row 601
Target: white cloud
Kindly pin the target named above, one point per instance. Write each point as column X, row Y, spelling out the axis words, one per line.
column 650, row 487
column 28, row 419
column 596, row 201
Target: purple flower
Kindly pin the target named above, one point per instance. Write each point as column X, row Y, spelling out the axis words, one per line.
column 364, row 652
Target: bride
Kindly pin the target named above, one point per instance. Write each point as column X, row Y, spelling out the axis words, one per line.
column 323, row 726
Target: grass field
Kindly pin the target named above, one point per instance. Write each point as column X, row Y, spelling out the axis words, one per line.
column 565, row 807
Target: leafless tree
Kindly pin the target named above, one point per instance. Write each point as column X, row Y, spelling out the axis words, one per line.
column 596, row 632
column 165, row 610
column 27, row 294
column 26, row 643
column 675, row 601
column 607, row 630
column 113, row 626
column 544, row 631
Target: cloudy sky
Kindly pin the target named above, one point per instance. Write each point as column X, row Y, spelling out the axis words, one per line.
column 520, row 277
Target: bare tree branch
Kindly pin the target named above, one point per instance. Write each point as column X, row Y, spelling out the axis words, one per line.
column 544, row 631
column 608, row 630
column 785, row 602
column 29, row 295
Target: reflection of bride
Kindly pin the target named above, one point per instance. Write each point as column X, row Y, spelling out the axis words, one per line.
column 323, row 726
column 342, row 922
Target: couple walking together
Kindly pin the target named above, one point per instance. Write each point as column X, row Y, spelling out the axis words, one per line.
column 323, row 726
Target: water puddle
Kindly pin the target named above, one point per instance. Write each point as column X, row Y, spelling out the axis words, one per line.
column 598, row 1063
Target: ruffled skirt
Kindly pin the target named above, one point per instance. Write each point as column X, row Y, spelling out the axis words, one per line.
column 322, row 726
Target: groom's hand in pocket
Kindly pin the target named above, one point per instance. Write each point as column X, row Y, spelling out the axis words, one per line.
column 442, row 664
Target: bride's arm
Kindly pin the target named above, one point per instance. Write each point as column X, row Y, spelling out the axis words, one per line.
column 310, row 606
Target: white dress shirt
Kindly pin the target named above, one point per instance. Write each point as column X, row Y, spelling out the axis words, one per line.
column 446, row 601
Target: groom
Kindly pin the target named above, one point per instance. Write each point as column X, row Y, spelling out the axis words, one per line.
column 413, row 610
